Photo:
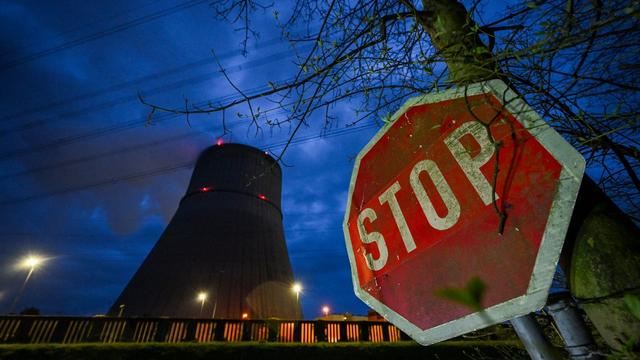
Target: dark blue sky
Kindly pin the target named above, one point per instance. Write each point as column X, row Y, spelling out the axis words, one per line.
column 87, row 184
column 71, row 122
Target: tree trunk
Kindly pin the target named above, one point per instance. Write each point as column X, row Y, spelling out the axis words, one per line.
column 456, row 36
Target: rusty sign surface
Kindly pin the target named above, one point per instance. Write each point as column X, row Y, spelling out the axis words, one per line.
column 468, row 183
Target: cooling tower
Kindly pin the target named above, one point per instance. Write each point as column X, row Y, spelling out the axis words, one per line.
column 226, row 240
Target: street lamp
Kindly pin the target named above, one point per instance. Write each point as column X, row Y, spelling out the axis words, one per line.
column 202, row 297
column 297, row 288
column 325, row 310
column 31, row 262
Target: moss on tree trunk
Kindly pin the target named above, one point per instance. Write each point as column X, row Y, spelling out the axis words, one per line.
column 605, row 266
column 455, row 35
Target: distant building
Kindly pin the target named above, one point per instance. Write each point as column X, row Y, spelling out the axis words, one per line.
column 223, row 254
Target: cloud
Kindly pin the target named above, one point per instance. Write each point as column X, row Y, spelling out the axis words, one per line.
column 314, row 151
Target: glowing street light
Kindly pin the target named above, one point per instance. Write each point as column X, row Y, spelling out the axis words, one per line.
column 202, row 297
column 31, row 262
column 325, row 310
column 297, row 288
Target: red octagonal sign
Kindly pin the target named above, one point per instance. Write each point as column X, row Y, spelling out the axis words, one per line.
column 464, row 184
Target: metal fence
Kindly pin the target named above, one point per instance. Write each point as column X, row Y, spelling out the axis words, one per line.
column 69, row 330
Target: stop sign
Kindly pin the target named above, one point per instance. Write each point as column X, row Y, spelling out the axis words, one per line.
column 469, row 183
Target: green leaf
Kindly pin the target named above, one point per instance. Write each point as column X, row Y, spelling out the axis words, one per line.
column 470, row 295
column 440, row 23
column 633, row 303
column 479, row 50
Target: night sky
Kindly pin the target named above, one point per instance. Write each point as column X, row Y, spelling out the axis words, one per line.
column 88, row 184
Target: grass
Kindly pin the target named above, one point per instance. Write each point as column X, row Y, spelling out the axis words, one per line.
column 496, row 349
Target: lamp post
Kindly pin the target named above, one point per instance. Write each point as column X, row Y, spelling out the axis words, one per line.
column 215, row 305
column 325, row 310
column 202, row 297
column 297, row 288
column 120, row 310
column 31, row 262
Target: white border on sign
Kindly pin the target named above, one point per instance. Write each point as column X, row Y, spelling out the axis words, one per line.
column 573, row 165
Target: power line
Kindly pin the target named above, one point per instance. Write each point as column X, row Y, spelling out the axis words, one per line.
column 162, row 170
column 119, row 257
column 79, row 28
column 120, row 151
column 100, row 34
column 141, row 121
column 129, row 83
column 112, row 181
column 149, row 234
column 154, row 91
